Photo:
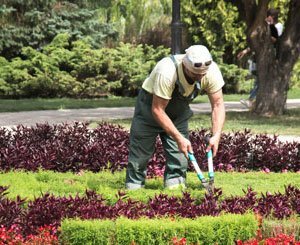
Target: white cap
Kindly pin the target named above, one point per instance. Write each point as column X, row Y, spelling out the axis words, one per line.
column 197, row 59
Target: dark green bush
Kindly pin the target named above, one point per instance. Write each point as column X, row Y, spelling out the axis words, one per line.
column 35, row 23
column 74, row 69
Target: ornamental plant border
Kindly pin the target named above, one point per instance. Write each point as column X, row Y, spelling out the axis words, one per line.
column 49, row 210
column 75, row 147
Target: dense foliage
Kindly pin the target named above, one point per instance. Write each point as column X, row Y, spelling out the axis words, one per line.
column 74, row 69
column 49, row 210
column 215, row 24
column 76, row 147
column 32, row 25
column 36, row 23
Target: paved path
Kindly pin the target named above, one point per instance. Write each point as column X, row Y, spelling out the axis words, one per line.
column 30, row 118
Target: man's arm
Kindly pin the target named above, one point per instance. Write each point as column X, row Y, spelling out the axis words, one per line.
column 218, row 119
column 158, row 110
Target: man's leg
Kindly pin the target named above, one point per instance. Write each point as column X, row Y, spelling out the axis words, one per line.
column 142, row 143
column 176, row 162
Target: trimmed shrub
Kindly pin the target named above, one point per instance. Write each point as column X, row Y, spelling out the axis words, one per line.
column 74, row 69
column 225, row 229
column 75, row 231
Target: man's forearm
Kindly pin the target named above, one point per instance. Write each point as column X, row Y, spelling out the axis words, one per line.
column 218, row 119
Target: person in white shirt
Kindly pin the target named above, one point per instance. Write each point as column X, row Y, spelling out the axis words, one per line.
column 276, row 30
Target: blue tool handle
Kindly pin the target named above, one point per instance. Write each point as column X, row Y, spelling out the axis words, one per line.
column 193, row 160
column 209, row 156
column 191, row 156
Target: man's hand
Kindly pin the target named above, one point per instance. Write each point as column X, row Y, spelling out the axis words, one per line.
column 158, row 111
column 184, row 146
column 213, row 144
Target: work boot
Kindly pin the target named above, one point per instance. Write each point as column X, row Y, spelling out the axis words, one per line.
column 134, row 186
column 175, row 184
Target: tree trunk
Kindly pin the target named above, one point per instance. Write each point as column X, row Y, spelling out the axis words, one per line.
column 274, row 62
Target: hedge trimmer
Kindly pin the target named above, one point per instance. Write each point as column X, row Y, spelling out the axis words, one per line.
column 208, row 185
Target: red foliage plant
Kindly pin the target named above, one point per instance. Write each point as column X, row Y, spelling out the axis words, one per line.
column 45, row 235
column 280, row 239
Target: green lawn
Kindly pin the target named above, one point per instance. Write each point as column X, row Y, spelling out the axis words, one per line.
column 30, row 185
column 62, row 103
column 287, row 124
column 66, row 103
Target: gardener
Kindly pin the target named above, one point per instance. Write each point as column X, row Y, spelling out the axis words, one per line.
column 162, row 108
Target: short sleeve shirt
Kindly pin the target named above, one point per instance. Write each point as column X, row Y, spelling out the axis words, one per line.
column 162, row 79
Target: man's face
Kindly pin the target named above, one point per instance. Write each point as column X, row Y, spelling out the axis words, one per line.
column 194, row 76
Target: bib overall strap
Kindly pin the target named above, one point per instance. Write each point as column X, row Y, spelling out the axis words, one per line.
column 197, row 88
column 181, row 89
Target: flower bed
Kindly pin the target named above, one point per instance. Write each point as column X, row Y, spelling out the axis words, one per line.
column 50, row 210
column 75, row 147
column 280, row 239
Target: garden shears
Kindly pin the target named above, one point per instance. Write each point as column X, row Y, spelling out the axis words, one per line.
column 208, row 185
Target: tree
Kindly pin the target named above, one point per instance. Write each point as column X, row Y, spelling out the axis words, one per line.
column 274, row 65
column 215, row 24
column 36, row 22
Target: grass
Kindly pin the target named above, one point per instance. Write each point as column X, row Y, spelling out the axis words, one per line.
column 30, row 185
column 287, row 124
column 62, row 103
column 66, row 103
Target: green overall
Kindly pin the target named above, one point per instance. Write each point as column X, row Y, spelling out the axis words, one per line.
column 145, row 129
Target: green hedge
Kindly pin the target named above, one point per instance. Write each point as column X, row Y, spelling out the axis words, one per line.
column 224, row 229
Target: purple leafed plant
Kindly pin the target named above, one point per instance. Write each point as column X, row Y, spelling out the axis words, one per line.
column 50, row 210
column 75, row 147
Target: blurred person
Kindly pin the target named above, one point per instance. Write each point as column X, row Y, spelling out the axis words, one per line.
column 276, row 30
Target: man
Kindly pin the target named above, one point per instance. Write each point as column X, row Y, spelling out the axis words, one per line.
column 162, row 109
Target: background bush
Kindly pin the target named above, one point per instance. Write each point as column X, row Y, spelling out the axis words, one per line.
column 95, row 57
column 35, row 23
column 73, row 69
